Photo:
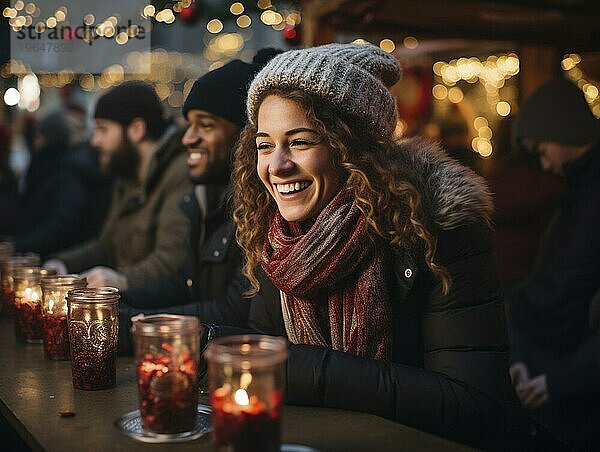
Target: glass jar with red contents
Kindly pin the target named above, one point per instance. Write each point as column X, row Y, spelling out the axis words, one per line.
column 7, row 268
column 245, row 380
column 54, row 313
column 29, row 326
column 167, row 354
column 93, row 319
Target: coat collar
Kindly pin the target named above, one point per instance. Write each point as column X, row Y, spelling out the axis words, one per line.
column 452, row 194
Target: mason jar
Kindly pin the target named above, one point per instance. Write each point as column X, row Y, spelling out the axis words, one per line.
column 29, row 325
column 54, row 313
column 246, row 382
column 7, row 269
column 93, row 319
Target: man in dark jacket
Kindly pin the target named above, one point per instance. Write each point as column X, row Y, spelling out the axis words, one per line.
column 210, row 285
column 143, row 236
column 554, row 349
column 65, row 200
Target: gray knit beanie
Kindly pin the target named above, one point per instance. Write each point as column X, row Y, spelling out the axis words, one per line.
column 352, row 77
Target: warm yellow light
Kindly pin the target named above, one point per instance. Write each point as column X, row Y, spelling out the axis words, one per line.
column 567, row 64
column 60, row 16
column 387, row 45
column 440, row 92
column 360, row 41
column 596, row 111
column 133, row 31
column 51, row 22
column 590, row 91
column 122, row 38
column 113, row 20
column 9, row 12
column 480, row 122
column 30, row 8
column 485, row 132
column 503, row 108
column 109, row 30
column 28, row 21
column 170, row 18
column 89, row 19
column 410, row 42
column 19, row 5
column 270, row 17
column 455, row 95
column 293, row 18
column 149, row 11
column 214, row 26
column 401, row 127
column 236, row 8
column 241, row 397
column 576, row 58
column 40, row 27
column 264, row 4
column 485, row 148
column 437, row 67
column 243, row 21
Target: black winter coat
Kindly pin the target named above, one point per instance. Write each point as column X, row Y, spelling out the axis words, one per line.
column 449, row 371
column 549, row 313
column 210, row 286
column 65, row 200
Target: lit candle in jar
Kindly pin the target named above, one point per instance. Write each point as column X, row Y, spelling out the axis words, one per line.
column 28, row 308
column 245, row 380
column 54, row 312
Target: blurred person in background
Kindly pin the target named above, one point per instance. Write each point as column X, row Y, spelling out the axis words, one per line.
column 554, row 346
column 61, row 203
column 8, row 186
column 143, row 237
column 524, row 199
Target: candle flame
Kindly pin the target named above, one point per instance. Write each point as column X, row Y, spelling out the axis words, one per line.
column 241, row 397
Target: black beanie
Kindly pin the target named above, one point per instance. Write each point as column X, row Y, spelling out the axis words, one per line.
column 132, row 100
column 223, row 91
column 557, row 111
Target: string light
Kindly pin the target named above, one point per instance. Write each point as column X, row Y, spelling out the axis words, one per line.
column 236, row 8
column 387, row 45
column 243, row 21
column 214, row 26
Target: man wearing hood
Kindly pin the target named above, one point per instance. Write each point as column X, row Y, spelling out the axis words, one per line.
column 555, row 348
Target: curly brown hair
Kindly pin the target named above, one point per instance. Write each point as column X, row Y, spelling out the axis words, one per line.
column 381, row 186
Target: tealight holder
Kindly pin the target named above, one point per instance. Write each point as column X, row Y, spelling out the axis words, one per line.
column 8, row 265
column 246, row 381
column 167, row 354
column 54, row 313
column 93, row 319
column 27, row 303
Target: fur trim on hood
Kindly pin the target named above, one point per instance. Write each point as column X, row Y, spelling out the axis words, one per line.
column 452, row 194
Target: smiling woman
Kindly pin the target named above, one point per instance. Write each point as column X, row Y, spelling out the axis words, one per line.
column 371, row 255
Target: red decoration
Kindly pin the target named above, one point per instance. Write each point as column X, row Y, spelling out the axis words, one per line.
column 191, row 14
column 292, row 35
column 168, row 392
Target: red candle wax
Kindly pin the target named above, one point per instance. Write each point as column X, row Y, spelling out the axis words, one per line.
column 168, row 392
column 245, row 427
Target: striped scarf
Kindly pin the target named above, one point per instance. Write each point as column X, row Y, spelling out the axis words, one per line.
column 333, row 281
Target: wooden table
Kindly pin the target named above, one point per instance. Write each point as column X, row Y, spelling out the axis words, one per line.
column 33, row 391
